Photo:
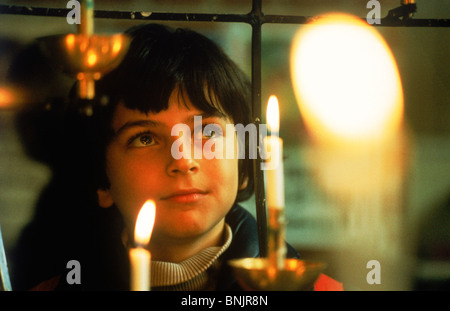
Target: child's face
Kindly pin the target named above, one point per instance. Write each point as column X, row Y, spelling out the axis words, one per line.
column 192, row 196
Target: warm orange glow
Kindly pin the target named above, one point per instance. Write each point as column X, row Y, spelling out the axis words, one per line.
column 273, row 114
column 81, row 76
column 346, row 81
column 91, row 58
column 117, row 45
column 70, row 41
column 105, row 48
column 13, row 96
column 82, row 43
column 6, row 98
column 144, row 223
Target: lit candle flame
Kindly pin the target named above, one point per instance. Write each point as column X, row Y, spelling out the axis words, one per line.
column 273, row 114
column 144, row 223
column 346, row 81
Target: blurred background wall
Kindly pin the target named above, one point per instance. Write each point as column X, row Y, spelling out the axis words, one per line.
column 423, row 59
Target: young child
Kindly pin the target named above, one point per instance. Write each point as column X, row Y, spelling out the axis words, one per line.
column 168, row 77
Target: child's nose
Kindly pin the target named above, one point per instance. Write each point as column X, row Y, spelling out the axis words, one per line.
column 183, row 166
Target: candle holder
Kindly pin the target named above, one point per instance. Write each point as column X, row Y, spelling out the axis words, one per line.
column 276, row 273
column 85, row 57
column 276, row 238
column 257, row 274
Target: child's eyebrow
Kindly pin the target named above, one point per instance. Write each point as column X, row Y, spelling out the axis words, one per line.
column 153, row 123
column 137, row 123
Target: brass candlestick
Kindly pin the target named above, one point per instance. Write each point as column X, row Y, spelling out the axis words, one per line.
column 86, row 57
column 296, row 275
column 276, row 239
column 276, row 273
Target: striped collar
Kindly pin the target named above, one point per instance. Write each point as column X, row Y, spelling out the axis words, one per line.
column 166, row 274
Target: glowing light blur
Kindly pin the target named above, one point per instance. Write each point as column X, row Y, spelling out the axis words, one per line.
column 70, row 41
column 6, row 98
column 117, row 45
column 91, row 59
column 346, row 80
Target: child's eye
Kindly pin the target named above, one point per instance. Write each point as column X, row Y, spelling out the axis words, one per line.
column 141, row 140
column 212, row 131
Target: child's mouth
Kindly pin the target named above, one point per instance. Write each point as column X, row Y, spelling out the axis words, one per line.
column 186, row 196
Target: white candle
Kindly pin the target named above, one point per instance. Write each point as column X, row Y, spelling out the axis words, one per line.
column 140, row 269
column 140, row 257
column 275, row 189
column 274, row 145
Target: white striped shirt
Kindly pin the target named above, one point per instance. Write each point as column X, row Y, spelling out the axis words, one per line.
column 194, row 273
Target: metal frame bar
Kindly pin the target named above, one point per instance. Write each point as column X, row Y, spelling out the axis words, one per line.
column 255, row 17
column 399, row 17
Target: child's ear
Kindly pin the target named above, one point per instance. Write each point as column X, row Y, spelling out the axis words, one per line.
column 104, row 197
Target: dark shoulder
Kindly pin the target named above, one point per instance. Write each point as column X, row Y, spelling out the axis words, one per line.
column 245, row 234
